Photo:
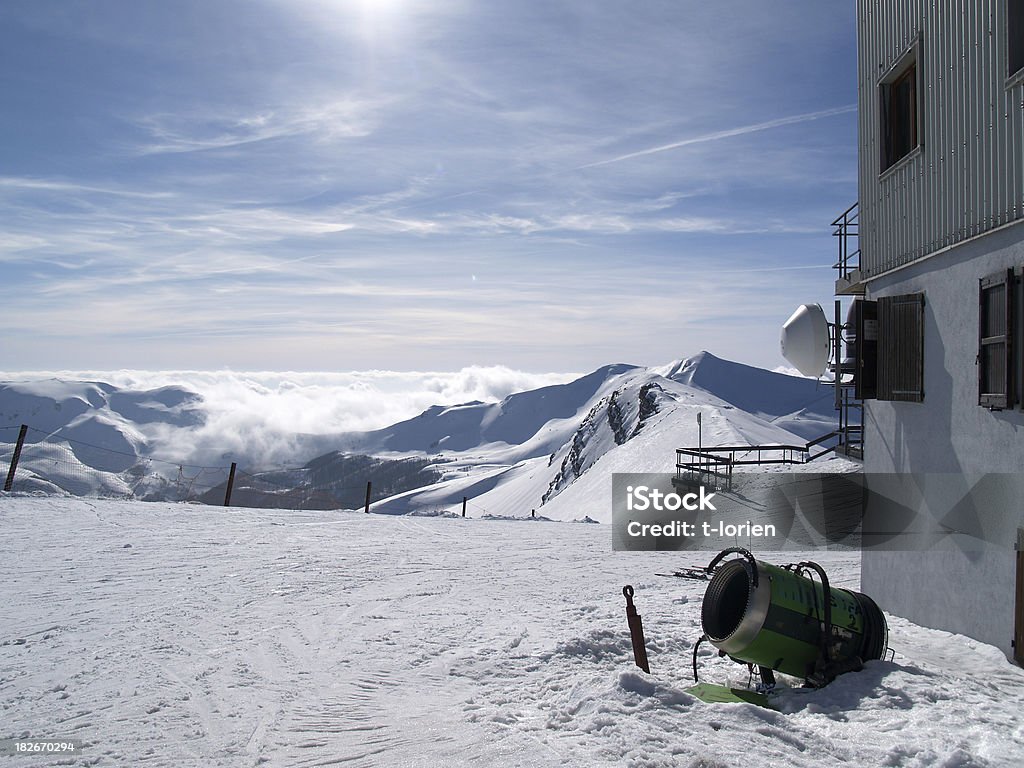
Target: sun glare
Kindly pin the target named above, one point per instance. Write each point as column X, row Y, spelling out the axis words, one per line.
column 380, row 7
column 380, row 19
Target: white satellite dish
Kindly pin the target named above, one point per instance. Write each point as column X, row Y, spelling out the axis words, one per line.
column 805, row 341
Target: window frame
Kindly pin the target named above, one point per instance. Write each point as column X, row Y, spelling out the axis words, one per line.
column 908, row 65
column 1014, row 39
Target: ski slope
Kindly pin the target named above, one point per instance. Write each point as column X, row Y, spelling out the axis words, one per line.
column 182, row 635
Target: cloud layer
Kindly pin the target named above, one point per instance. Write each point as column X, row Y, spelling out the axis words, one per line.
column 273, row 418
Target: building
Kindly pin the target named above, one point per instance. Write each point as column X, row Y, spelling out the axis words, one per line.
column 941, row 319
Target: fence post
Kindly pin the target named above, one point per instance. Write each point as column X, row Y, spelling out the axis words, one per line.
column 9, row 483
column 369, row 485
column 463, row 506
column 231, row 484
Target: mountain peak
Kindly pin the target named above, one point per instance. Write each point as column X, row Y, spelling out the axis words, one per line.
column 681, row 370
column 755, row 390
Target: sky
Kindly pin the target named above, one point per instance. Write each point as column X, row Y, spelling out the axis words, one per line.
column 352, row 185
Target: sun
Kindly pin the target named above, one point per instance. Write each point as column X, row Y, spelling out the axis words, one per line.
column 380, row 7
column 380, row 19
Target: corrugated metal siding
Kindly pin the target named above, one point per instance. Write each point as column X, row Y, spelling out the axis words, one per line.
column 968, row 175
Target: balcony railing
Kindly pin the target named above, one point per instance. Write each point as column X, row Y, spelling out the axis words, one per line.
column 716, row 463
column 846, row 229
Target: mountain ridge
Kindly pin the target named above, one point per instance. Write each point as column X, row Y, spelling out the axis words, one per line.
column 529, row 448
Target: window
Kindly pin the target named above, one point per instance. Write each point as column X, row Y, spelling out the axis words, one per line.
column 898, row 109
column 865, row 376
column 995, row 340
column 901, row 347
column 890, row 348
column 1015, row 35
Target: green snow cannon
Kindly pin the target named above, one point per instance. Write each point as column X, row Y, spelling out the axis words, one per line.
column 780, row 618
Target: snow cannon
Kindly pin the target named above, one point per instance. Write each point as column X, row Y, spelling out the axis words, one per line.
column 780, row 618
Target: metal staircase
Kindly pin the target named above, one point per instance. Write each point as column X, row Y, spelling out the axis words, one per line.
column 699, row 465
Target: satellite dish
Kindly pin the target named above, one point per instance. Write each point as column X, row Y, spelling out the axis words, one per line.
column 805, row 342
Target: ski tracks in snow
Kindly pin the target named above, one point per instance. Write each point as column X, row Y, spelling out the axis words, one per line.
column 179, row 635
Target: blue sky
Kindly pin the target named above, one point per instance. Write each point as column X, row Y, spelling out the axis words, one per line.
column 336, row 185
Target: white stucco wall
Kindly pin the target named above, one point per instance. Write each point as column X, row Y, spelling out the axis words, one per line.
column 967, row 586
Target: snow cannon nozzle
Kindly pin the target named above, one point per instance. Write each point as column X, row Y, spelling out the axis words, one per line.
column 738, row 551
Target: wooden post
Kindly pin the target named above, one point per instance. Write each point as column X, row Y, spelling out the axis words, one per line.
column 369, row 486
column 463, row 506
column 1018, row 608
column 9, row 483
column 231, row 484
column 700, row 450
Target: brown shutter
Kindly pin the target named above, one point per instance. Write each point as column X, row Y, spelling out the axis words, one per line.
column 901, row 347
column 995, row 340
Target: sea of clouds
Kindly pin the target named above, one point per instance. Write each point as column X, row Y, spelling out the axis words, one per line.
column 279, row 418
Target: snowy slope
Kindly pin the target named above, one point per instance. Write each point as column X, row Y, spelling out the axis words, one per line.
column 175, row 635
column 802, row 406
column 52, row 404
column 97, row 414
column 634, row 423
column 515, row 420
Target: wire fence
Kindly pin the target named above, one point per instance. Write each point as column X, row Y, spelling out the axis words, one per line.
column 50, row 464
column 53, row 464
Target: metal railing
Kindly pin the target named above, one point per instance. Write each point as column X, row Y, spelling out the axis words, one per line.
column 846, row 228
column 851, row 432
column 718, row 462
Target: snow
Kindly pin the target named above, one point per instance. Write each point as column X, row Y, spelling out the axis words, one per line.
column 183, row 635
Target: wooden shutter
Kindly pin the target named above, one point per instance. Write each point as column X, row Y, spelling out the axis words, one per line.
column 901, row 347
column 995, row 340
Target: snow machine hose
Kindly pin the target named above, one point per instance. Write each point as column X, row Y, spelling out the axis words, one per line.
column 779, row 617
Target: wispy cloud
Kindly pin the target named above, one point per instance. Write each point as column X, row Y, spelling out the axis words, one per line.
column 173, row 133
column 726, row 134
column 22, row 184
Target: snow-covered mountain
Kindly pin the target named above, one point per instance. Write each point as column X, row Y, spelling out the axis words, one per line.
column 97, row 413
column 802, row 406
column 633, row 422
column 555, row 447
